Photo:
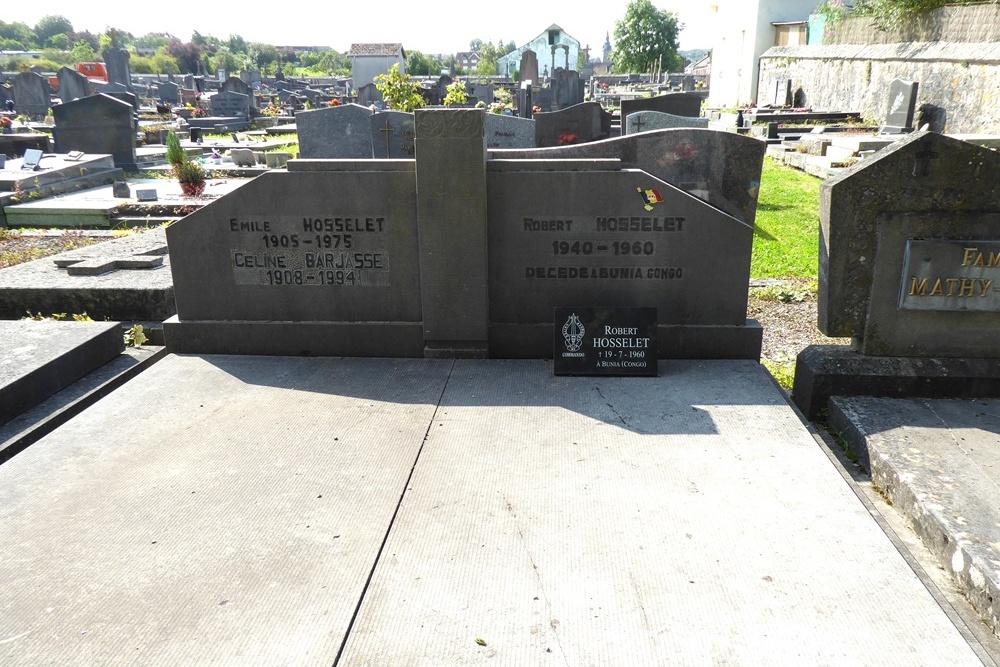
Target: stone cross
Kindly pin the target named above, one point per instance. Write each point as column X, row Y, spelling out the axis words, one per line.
column 922, row 158
column 386, row 130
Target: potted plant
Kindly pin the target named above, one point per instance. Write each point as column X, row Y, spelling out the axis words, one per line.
column 191, row 177
column 5, row 124
column 175, row 152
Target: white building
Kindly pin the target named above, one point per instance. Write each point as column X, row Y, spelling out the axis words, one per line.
column 746, row 29
column 554, row 48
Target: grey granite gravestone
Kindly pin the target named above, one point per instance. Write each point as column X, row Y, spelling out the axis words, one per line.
column 117, row 63
column 72, row 84
column 688, row 84
column 721, row 168
column 392, row 134
column 647, row 121
column 451, row 205
column 566, row 88
column 528, row 69
column 909, row 261
column 483, row 92
column 237, row 85
column 119, row 92
column 231, row 105
column 678, row 104
column 578, row 124
column 368, row 95
column 442, row 85
column 97, row 124
column 504, row 131
column 31, row 95
column 902, row 104
column 169, row 93
column 339, row 132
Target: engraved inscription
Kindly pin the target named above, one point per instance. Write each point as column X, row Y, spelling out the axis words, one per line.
column 951, row 276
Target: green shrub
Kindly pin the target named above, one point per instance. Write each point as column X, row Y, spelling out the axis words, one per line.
column 175, row 154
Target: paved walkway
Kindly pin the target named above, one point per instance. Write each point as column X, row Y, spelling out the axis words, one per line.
column 285, row 511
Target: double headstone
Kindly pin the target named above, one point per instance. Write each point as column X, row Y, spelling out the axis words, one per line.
column 231, row 105
column 580, row 123
column 236, row 85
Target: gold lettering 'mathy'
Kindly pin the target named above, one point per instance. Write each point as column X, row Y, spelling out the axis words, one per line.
column 972, row 257
column 960, row 287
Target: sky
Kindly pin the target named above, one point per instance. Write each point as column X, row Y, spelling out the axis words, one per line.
column 340, row 25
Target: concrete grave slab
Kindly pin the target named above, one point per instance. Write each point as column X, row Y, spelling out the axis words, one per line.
column 37, row 359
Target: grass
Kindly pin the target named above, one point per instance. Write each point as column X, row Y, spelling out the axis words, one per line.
column 786, row 241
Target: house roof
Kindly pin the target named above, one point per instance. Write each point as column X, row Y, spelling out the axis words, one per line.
column 375, row 49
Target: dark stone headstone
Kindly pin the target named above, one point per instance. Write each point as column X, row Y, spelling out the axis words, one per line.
column 121, row 190
column 169, row 93
column 392, row 135
column 72, row 84
column 368, row 95
column 97, row 124
column 647, row 121
column 902, row 104
column 31, row 95
column 442, row 85
column 343, row 131
column 566, row 89
column 118, row 92
column 896, row 269
column 678, row 104
column 236, row 85
column 230, row 104
column 578, row 124
column 687, row 84
column 116, row 61
column 528, row 69
column 504, row 131
column 781, row 93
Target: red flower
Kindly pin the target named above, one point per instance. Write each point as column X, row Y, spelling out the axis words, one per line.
column 565, row 139
column 685, row 151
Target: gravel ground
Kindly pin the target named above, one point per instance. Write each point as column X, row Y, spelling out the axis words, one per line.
column 785, row 308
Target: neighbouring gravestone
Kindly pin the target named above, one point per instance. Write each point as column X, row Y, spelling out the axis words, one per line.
column 910, row 269
column 647, row 121
column 117, row 63
column 687, row 84
column 72, row 84
column 187, row 81
column 442, row 85
column 781, row 93
column 228, row 104
column 392, row 134
column 97, row 124
column 721, row 168
column 566, row 88
column 578, row 124
column 504, row 131
column 237, row 85
column 31, row 95
column 243, row 157
column 368, row 95
column 483, row 92
column 118, row 92
column 528, row 69
column 452, row 254
column 169, row 93
column 902, row 104
column 340, row 132
column 678, row 104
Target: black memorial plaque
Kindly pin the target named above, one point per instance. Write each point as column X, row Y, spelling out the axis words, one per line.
column 604, row 341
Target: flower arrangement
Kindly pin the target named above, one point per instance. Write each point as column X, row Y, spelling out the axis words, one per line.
column 271, row 110
column 5, row 122
column 567, row 139
column 333, row 103
column 199, row 113
column 536, row 109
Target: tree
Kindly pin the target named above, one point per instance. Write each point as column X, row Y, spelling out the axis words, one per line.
column 187, row 55
column 50, row 26
column 646, row 39
column 398, row 90
column 261, row 54
column 83, row 52
column 419, row 64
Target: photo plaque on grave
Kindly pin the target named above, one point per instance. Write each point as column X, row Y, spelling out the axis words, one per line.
column 604, row 341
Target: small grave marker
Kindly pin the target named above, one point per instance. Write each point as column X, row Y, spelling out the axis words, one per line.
column 605, row 341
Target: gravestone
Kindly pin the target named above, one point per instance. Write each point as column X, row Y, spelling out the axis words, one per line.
column 909, row 268
column 647, row 121
column 339, row 132
column 231, row 105
column 72, row 84
column 187, row 81
column 678, row 104
column 525, row 103
column 528, row 69
column 368, row 95
column 31, row 95
column 578, row 124
column 483, row 92
column 169, row 93
column 243, row 157
column 452, row 254
column 442, row 85
column 236, row 85
column 97, row 124
column 566, row 88
column 688, row 84
column 116, row 61
column 504, row 131
column 392, row 134
column 119, row 92
column 781, row 93
column 902, row 104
